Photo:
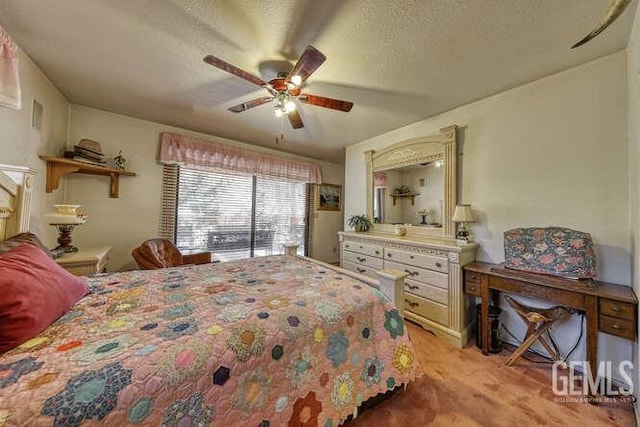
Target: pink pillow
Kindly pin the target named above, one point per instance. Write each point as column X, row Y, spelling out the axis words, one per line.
column 34, row 293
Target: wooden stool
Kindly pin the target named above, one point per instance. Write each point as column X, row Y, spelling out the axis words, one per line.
column 539, row 320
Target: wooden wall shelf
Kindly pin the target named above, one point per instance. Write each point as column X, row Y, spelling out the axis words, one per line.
column 58, row 167
column 403, row 196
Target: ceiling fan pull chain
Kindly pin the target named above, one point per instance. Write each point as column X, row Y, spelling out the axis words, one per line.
column 280, row 136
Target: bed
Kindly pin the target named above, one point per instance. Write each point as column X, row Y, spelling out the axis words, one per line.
column 277, row 340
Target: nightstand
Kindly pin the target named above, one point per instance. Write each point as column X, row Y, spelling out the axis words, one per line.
column 85, row 261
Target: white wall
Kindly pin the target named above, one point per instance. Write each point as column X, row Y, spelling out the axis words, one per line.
column 326, row 224
column 20, row 144
column 552, row 152
column 633, row 85
column 127, row 221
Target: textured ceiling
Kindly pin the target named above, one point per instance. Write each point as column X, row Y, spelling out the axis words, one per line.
column 398, row 61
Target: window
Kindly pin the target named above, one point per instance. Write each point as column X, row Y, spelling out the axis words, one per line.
column 238, row 215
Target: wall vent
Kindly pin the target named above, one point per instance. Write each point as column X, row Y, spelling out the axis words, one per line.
column 36, row 115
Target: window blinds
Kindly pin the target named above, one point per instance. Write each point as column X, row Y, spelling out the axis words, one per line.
column 167, row 226
column 234, row 215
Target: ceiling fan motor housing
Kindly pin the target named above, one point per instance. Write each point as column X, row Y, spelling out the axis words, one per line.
column 280, row 85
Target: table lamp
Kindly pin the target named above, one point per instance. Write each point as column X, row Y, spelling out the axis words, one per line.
column 463, row 214
column 65, row 219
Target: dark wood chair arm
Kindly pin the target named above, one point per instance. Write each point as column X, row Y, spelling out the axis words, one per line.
column 197, row 258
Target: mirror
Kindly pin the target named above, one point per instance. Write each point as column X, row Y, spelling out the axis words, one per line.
column 414, row 182
column 411, row 194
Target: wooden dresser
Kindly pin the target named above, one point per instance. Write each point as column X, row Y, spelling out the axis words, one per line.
column 434, row 296
column 85, row 261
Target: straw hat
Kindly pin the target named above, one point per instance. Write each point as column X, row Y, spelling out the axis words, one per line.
column 90, row 145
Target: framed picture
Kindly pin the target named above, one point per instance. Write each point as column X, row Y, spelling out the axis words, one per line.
column 328, row 197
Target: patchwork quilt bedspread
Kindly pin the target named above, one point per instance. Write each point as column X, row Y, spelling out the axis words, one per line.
column 262, row 342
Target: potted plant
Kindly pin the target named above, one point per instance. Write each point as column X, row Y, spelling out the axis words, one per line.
column 360, row 223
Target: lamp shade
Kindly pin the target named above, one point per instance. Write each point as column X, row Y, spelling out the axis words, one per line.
column 462, row 213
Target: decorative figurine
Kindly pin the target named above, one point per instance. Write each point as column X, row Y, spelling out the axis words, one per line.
column 120, row 160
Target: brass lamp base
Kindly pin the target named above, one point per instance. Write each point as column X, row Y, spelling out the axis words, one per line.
column 64, row 240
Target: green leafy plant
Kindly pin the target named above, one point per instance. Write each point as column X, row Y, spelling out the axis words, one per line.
column 360, row 223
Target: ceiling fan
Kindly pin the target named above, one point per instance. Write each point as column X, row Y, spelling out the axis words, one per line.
column 286, row 88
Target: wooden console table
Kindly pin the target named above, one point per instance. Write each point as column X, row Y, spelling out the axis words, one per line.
column 607, row 307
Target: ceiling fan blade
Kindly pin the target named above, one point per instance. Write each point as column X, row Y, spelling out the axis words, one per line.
column 321, row 101
column 310, row 60
column 295, row 119
column 250, row 104
column 225, row 66
column 615, row 10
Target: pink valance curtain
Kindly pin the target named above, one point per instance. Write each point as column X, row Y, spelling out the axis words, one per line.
column 188, row 151
column 9, row 77
column 380, row 180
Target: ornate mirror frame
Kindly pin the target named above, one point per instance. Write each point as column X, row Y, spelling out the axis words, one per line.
column 420, row 150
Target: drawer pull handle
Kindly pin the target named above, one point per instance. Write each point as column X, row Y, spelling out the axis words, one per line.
column 346, row 246
column 413, row 287
column 411, row 256
column 411, row 304
column 388, row 255
column 616, row 327
column 616, row 308
column 411, row 273
column 361, row 259
column 438, row 265
column 360, row 247
column 377, row 252
column 361, row 270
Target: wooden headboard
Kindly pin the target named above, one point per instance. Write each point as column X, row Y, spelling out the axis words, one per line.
column 16, row 188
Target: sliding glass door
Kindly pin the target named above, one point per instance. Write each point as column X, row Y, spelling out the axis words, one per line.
column 238, row 216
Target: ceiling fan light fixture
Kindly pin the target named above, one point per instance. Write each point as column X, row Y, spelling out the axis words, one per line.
column 296, row 80
column 289, row 106
column 278, row 111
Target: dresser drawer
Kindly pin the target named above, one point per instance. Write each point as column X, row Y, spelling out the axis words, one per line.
column 423, row 261
column 471, row 288
column 430, row 277
column 361, row 259
column 472, row 277
column 431, row 310
column 427, row 291
column 361, row 269
column 363, row 248
column 618, row 327
column 618, row 309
